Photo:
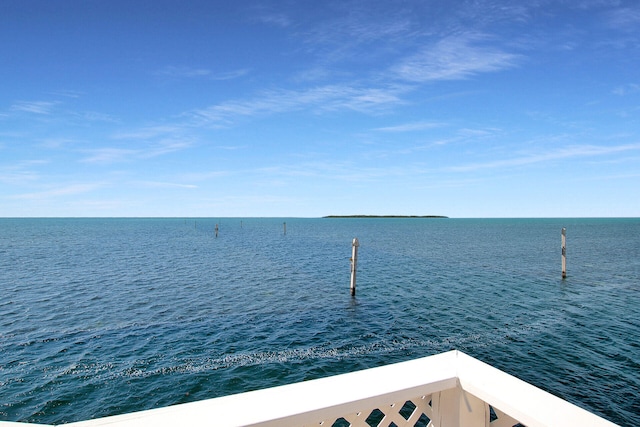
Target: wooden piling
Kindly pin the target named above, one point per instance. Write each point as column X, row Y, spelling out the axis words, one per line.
column 285, row 228
column 354, row 264
column 564, row 253
column 216, row 230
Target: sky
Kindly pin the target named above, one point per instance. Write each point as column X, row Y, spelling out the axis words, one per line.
column 306, row 108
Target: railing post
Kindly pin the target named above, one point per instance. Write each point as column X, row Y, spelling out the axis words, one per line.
column 456, row 408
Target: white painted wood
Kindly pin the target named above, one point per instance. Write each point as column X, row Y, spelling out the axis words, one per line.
column 529, row 405
column 455, row 407
column 305, row 403
column 452, row 389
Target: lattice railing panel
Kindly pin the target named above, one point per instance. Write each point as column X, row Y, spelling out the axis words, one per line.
column 416, row 412
column 501, row 419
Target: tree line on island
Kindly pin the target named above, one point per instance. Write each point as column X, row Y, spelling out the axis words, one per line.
column 385, row 216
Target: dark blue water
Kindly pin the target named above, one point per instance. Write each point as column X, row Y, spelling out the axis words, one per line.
column 107, row 316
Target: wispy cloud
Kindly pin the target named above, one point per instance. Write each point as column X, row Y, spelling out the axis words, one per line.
column 56, row 143
column 21, row 172
column 165, row 146
column 142, row 143
column 58, row 111
column 148, row 132
column 454, row 58
column 183, row 72
column 318, row 99
column 231, row 147
column 110, row 155
column 626, row 89
column 67, row 93
column 626, row 18
column 161, row 147
column 68, row 190
column 94, row 116
column 275, row 19
column 191, row 72
column 334, row 171
column 205, row 176
column 411, row 127
column 563, row 153
column 355, row 25
column 35, row 107
column 18, row 176
column 230, row 75
column 157, row 184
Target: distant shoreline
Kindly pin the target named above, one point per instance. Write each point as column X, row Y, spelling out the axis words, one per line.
column 385, row 216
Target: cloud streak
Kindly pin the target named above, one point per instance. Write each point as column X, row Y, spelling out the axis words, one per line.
column 411, row 127
column 110, row 155
column 107, row 155
column 68, row 190
column 18, row 177
column 34, row 107
column 626, row 18
column 454, row 58
column 158, row 184
column 191, row 72
column 147, row 142
column 627, row 89
column 360, row 28
column 318, row 99
column 564, row 153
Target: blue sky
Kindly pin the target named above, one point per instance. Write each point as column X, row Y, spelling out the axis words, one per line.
column 309, row 108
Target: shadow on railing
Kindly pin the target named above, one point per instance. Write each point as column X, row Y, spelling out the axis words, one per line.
column 446, row 390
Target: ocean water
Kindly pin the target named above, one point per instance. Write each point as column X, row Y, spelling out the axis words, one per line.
column 107, row 316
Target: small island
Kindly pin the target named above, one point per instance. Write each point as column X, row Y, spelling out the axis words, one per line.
column 385, row 216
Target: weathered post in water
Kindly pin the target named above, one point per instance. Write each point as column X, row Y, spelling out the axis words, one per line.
column 285, row 228
column 564, row 253
column 216, row 230
column 354, row 264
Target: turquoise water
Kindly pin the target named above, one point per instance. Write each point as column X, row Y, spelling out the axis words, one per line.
column 108, row 316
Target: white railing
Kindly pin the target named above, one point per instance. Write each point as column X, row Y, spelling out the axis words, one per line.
column 446, row 390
